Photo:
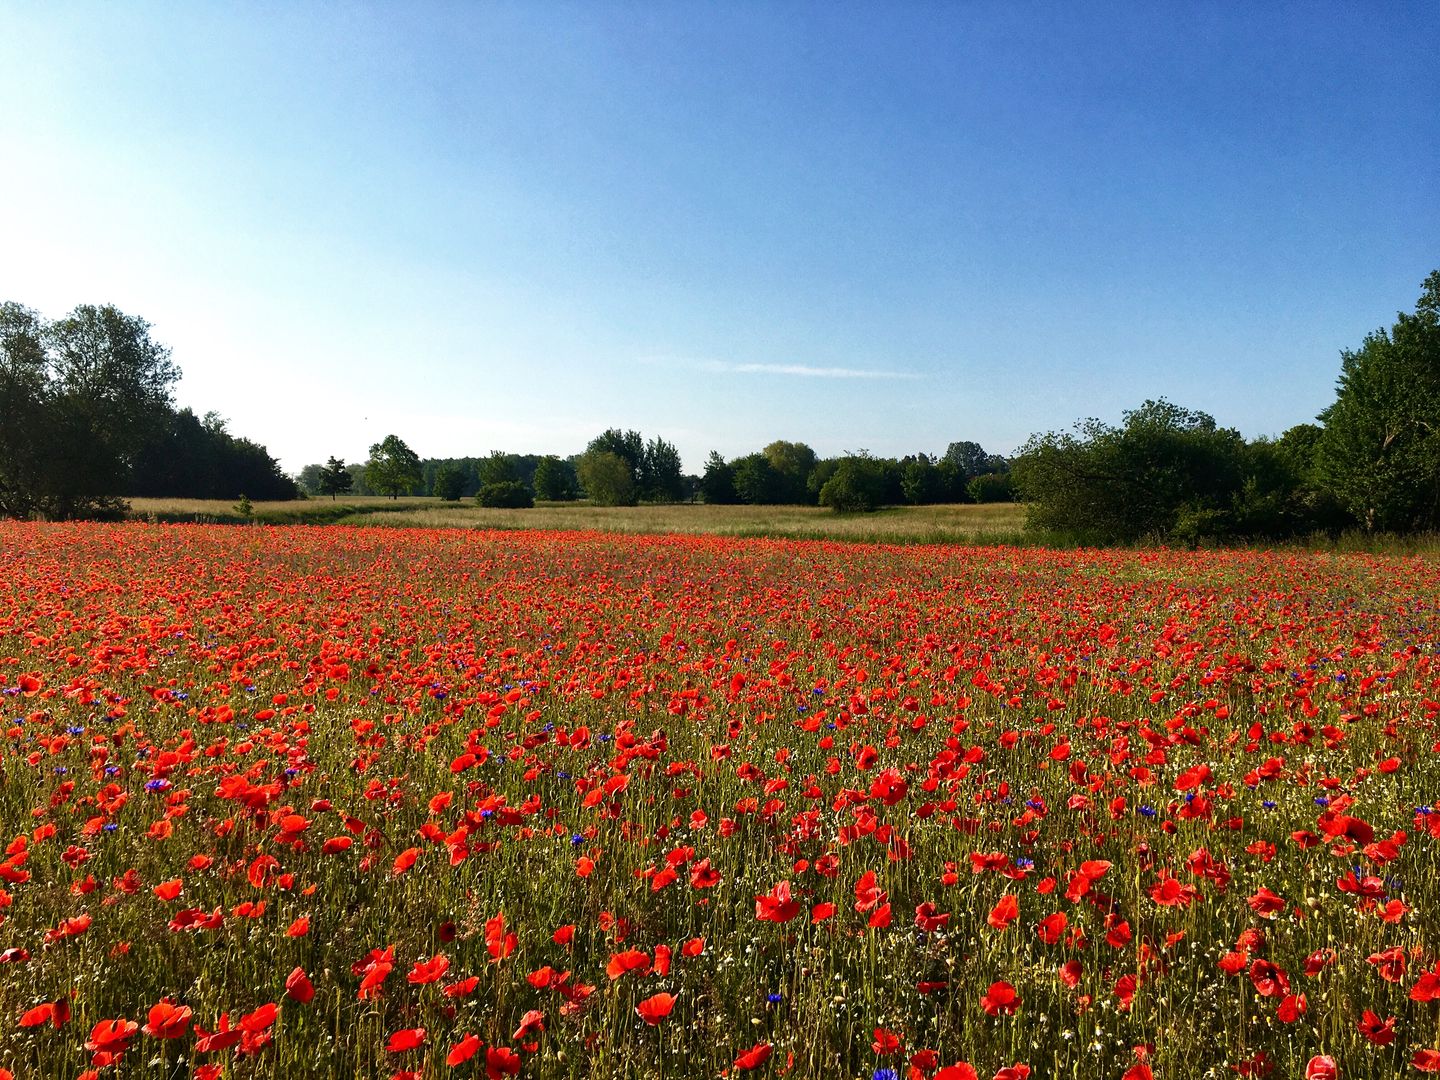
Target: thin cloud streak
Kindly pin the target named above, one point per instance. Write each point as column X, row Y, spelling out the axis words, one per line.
column 803, row 370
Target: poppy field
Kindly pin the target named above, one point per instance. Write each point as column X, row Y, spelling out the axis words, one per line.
column 329, row 802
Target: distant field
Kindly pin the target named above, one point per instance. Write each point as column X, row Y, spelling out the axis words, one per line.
column 903, row 524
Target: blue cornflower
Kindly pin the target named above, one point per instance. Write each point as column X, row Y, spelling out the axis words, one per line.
column 158, row 784
column 1148, row 811
column 774, row 999
column 110, row 826
column 1268, row 805
column 885, row 1074
column 577, row 839
column 1322, row 800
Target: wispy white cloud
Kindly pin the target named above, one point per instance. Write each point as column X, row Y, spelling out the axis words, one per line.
column 806, row 371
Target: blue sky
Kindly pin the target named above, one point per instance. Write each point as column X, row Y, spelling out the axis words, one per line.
column 888, row 226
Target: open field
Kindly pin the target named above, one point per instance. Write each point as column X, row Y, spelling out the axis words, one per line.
column 385, row 802
column 901, row 524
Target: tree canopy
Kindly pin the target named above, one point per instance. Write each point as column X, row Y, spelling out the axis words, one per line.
column 87, row 417
column 393, row 468
column 1380, row 451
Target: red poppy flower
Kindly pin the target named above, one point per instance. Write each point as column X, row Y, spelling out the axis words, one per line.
column 167, row 1020
column 1380, row 1032
column 501, row 1061
column 405, row 1039
column 1000, row 998
column 1004, row 913
column 428, row 971
column 753, row 1058
column 1052, row 927
column 463, row 1051
column 298, row 987
column 777, row 905
column 531, row 1023
column 1426, row 1060
column 655, row 1008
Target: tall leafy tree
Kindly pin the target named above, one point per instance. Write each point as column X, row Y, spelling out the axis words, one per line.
column 449, row 483
column 717, row 486
column 335, row 478
column 607, row 478
column 1380, row 453
column 794, row 462
column 555, row 479
column 1166, row 472
column 82, row 398
column 757, row 482
column 499, row 468
column 393, row 468
column 663, row 478
column 25, row 393
column 921, row 481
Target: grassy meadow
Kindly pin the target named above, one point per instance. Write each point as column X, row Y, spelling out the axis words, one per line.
column 902, row 524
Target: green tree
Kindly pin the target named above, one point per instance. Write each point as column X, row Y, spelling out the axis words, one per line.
column 972, row 460
column 629, row 446
column 757, row 482
column 856, row 486
column 607, row 478
column 335, row 478
column 25, row 394
column 498, row 468
column 1166, row 472
column 82, row 398
column 991, row 488
column 1380, row 453
column 663, row 478
column 555, row 479
column 920, row 480
column 505, row 495
column 393, row 468
column 794, row 462
column 308, row 478
column 717, row 486
column 449, row 482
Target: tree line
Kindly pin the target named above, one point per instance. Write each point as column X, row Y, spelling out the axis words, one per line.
column 623, row 468
column 1171, row 474
column 87, row 417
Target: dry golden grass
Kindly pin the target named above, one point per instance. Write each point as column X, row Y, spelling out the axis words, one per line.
column 901, row 524
column 312, row 511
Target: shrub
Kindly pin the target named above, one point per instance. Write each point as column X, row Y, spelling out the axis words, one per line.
column 506, row 495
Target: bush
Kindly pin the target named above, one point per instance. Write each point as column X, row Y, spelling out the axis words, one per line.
column 858, row 486
column 506, row 495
